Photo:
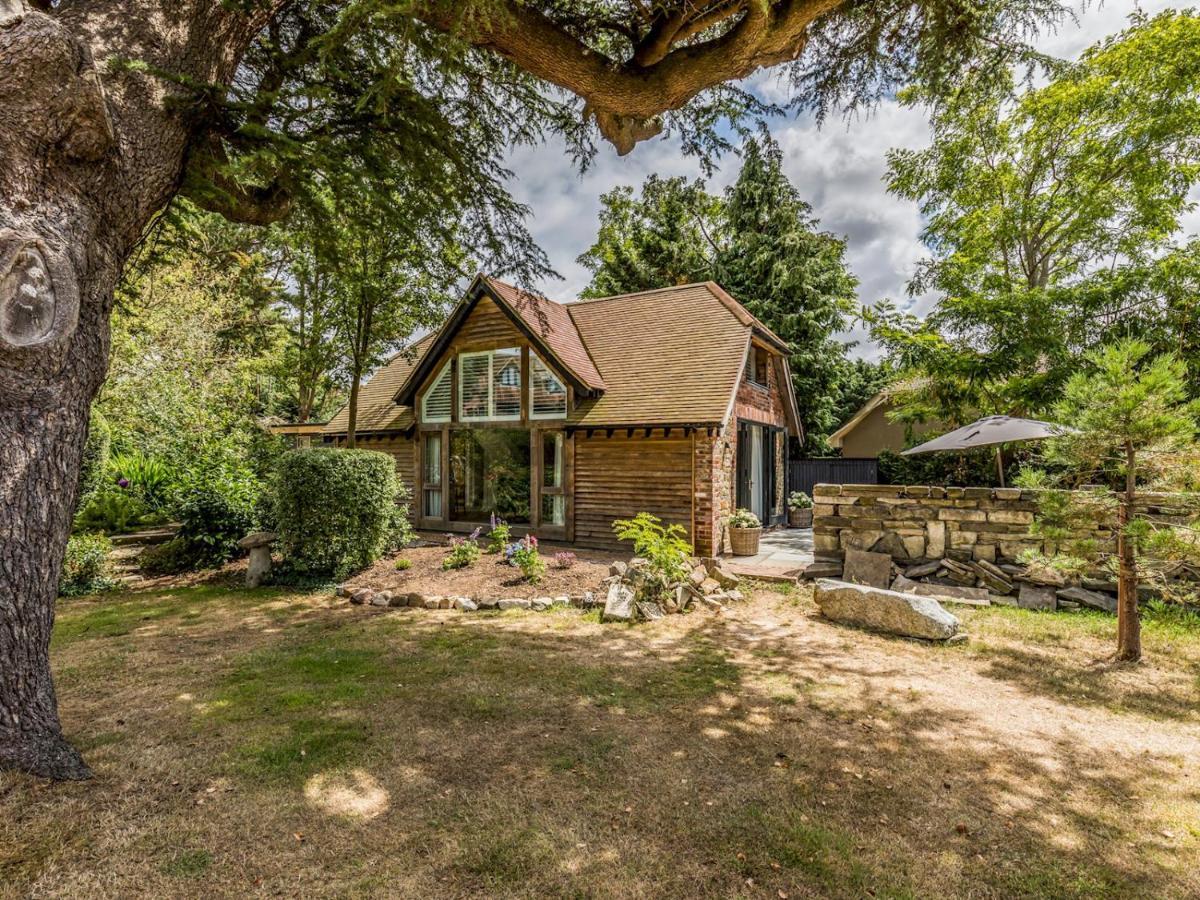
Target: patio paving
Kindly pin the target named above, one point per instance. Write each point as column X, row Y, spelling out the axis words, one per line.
column 782, row 554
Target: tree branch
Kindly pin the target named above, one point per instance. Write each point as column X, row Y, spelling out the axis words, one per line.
column 208, row 183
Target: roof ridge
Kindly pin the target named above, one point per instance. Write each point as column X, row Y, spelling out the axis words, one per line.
column 658, row 290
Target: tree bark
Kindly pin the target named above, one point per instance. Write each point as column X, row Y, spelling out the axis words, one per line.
column 90, row 153
column 1129, row 628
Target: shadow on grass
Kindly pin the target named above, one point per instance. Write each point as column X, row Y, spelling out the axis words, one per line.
column 716, row 758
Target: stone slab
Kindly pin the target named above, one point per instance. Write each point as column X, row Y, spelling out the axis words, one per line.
column 891, row 612
column 968, row 596
column 864, row 567
column 1093, row 599
column 1037, row 596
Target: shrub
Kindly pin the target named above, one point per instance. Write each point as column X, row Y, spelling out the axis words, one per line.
column 403, row 565
column 216, row 509
column 665, row 549
column 336, row 510
column 564, row 559
column 112, row 509
column 499, row 536
column 799, row 500
column 463, row 550
column 150, row 479
column 85, row 567
column 743, row 518
column 525, row 557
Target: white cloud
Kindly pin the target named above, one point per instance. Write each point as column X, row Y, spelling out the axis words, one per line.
column 838, row 168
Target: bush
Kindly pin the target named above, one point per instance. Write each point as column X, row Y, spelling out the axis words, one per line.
column 112, row 509
column 525, row 557
column 150, row 479
column 403, row 565
column 463, row 551
column 85, row 567
column 216, row 510
column 337, row 510
column 665, row 549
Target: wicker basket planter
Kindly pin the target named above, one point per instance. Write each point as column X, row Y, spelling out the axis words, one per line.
column 744, row 541
column 800, row 518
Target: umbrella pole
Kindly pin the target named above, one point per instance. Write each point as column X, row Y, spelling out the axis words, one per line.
column 1000, row 464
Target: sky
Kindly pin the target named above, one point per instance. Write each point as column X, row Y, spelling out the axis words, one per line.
column 838, row 169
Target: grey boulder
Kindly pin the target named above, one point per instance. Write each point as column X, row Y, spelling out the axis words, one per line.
column 619, row 605
column 879, row 609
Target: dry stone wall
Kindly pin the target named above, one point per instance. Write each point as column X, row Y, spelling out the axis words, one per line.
column 918, row 522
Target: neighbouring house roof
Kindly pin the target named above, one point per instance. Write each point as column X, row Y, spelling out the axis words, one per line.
column 836, row 439
column 671, row 356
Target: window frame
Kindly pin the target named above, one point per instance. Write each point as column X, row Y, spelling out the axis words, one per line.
column 535, row 360
column 490, row 415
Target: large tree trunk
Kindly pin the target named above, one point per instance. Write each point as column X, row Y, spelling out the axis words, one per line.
column 90, row 153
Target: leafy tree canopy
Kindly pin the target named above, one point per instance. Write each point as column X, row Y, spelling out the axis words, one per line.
column 1053, row 219
column 761, row 242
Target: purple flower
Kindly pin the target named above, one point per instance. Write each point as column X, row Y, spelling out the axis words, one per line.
column 123, row 482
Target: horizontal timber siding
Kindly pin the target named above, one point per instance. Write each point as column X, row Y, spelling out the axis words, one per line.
column 488, row 324
column 619, row 477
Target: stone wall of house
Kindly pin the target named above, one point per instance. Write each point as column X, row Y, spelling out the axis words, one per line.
column 920, row 522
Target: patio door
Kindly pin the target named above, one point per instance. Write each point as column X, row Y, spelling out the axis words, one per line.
column 757, row 447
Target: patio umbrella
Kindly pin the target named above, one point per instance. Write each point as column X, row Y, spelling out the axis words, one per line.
column 993, row 430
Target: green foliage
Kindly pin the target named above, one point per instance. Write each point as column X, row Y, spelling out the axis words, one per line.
column 403, row 565
column 1054, row 221
column 336, row 510
column 96, row 452
column 665, row 548
column 150, row 479
column 1134, row 428
column 973, row 468
column 216, row 509
column 463, row 551
column 760, row 242
column 114, row 510
column 86, row 568
column 499, row 536
column 526, row 558
column 743, row 518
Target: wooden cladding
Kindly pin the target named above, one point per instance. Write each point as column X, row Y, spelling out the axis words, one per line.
column 618, row 477
column 488, row 325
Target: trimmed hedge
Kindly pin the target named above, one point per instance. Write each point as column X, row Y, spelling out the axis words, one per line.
column 85, row 567
column 337, row 510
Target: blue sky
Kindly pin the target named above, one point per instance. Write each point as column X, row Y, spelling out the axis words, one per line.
column 838, row 168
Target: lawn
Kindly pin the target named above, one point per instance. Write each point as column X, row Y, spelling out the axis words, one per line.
column 267, row 742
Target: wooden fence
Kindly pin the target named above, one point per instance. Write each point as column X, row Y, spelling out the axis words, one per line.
column 804, row 473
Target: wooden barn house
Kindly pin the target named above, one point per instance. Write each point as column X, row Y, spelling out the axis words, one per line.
column 561, row 417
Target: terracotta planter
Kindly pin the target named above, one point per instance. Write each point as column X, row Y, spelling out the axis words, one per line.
column 800, row 518
column 744, row 541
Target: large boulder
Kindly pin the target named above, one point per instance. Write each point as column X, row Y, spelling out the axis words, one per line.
column 879, row 609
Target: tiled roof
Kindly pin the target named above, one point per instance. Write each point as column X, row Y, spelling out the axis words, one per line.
column 552, row 323
column 669, row 356
column 377, row 411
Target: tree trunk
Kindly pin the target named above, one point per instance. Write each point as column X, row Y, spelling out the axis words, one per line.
column 352, row 411
column 89, row 154
column 1129, row 628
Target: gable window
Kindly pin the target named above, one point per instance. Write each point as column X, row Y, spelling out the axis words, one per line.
column 756, row 367
column 489, row 385
column 435, row 406
column 547, row 394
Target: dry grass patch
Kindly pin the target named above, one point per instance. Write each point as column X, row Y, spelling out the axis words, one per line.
column 267, row 742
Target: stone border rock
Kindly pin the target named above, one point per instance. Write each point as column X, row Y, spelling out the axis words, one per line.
column 365, row 596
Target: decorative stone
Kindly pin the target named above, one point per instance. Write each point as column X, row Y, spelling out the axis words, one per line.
column 445, row 602
column 619, row 605
column 698, row 575
column 562, row 600
column 258, row 539
column 710, row 586
column 651, row 612
column 588, row 600
column 735, row 595
column 432, row 602
column 258, row 567
column 1093, row 599
column 921, row 570
column 618, row 569
column 488, row 602
column 883, row 610
column 362, row 595
column 417, row 601
column 946, row 593
column 864, row 567
column 465, row 604
column 1036, row 596
column 540, row 604
column 380, row 600
column 513, row 603
column 725, row 578
column 822, row 568
column 891, row 544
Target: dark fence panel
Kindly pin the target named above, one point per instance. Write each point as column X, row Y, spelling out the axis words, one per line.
column 804, row 473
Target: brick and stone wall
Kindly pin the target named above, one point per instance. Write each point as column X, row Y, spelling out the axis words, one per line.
column 920, row 522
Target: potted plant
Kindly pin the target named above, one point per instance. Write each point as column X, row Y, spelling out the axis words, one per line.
column 744, row 532
column 799, row 510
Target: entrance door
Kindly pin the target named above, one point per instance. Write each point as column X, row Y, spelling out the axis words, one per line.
column 756, row 448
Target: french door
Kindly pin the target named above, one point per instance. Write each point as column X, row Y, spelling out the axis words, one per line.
column 757, row 449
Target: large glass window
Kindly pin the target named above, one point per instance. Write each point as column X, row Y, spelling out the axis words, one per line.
column 432, row 475
column 489, row 385
column 490, row 473
column 554, row 501
column 435, row 407
column 547, row 394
